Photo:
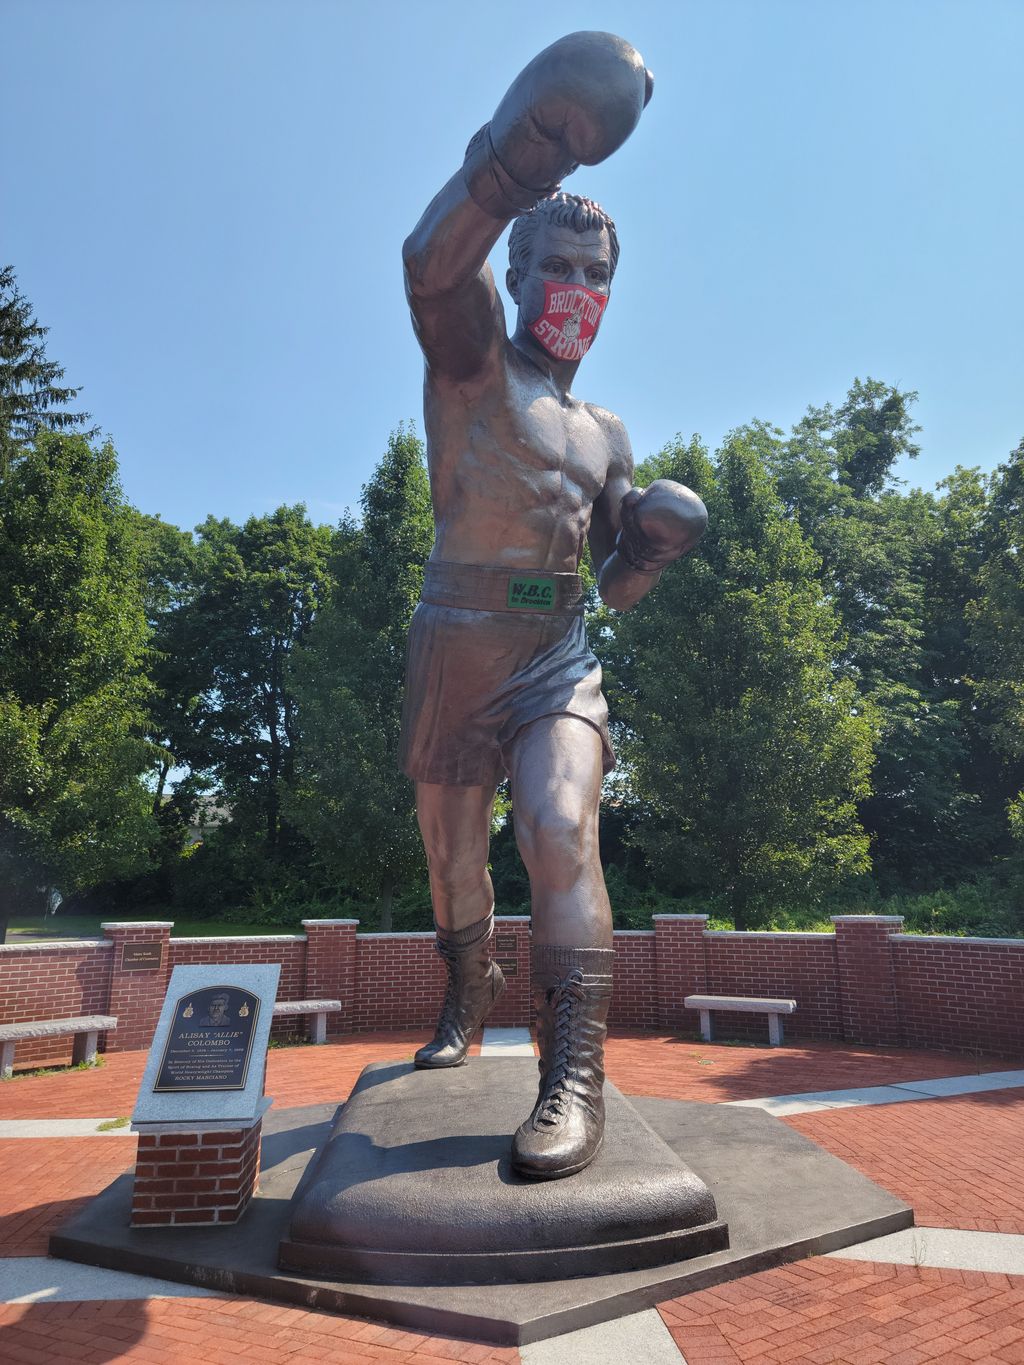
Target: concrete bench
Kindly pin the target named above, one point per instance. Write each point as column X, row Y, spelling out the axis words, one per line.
column 320, row 1009
column 86, row 1031
column 774, row 1009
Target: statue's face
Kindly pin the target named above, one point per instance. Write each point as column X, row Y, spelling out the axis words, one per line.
column 561, row 256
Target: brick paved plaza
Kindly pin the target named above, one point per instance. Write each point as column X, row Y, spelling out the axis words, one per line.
column 958, row 1158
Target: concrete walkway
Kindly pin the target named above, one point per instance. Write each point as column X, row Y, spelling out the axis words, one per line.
column 941, row 1087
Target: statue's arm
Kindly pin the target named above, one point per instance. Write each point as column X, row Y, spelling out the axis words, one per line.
column 635, row 534
column 577, row 101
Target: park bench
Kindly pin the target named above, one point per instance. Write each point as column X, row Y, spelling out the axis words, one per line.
column 320, row 1009
column 774, row 1009
column 86, row 1031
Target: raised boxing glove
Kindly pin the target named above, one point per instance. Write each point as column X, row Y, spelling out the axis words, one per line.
column 576, row 102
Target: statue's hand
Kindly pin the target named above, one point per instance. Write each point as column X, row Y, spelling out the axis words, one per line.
column 660, row 525
column 576, row 102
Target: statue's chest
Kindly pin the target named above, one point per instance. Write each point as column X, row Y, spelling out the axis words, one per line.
column 552, row 445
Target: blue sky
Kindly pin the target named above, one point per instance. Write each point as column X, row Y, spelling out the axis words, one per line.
column 205, row 201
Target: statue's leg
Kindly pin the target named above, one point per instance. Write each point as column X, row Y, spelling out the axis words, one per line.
column 556, row 770
column 456, row 826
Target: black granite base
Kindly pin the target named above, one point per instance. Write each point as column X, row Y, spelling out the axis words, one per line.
column 415, row 1186
column 782, row 1196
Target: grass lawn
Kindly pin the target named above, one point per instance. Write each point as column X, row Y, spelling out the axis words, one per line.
column 24, row 929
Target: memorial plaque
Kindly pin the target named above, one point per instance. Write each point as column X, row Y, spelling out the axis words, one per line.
column 505, row 943
column 142, row 957
column 210, row 1040
column 508, row 965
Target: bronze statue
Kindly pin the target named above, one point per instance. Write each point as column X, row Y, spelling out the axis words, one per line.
column 500, row 677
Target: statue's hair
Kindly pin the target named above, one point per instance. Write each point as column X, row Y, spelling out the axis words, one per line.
column 563, row 210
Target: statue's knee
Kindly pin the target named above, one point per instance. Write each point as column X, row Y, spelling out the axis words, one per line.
column 555, row 844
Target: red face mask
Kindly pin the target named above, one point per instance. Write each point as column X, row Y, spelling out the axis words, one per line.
column 569, row 319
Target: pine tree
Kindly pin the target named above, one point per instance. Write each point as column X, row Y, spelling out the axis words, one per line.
column 31, row 395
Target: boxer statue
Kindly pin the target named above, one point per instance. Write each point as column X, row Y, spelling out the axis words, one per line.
column 500, row 678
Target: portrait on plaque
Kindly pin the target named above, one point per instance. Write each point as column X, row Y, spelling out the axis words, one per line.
column 210, row 1039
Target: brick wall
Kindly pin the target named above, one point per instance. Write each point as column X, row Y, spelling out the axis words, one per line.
column 800, row 967
column 635, row 983
column 966, row 992
column 52, row 981
column 866, row 982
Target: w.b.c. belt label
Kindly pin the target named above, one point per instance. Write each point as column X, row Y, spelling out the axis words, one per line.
column 527, row 592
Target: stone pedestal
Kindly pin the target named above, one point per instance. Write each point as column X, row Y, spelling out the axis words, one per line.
column 415, row 1186
column 195, row 1175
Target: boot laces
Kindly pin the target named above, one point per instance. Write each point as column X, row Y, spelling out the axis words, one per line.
column 563, row 998
column 449, row 953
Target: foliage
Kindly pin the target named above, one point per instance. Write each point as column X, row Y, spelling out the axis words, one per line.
column 744, row 744
column 31, row 395
column 73, row 683
column 349, row 798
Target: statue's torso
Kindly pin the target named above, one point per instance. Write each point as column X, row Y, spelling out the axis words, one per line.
column 514, row 468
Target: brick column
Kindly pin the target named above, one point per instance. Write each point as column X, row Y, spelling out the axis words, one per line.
column 513, row 1009
column 202, row 1174
column 137, row 989
column 679, row 950
column 331, row 966
column 867, row 983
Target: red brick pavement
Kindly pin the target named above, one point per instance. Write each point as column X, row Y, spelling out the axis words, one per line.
column 295, row 1076
column 668, row 1067
column 228, row 1331
column 958, row 1161
column 43, row 1181
column 853, row 1312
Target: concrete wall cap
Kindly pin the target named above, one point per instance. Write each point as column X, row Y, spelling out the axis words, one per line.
column 768, row 933
column 240, row 938
column 418, row 934
column 952, row 938
column 633, row 933
column 328, row 923
column 139, row 924
column 680, row 917
column 866, row 919
column 512, row 919
column 59, row 946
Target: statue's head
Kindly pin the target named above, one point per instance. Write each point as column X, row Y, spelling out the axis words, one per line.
column 562, row 256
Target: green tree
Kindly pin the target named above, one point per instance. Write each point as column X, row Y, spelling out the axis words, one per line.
column 884, row 554
column 997, row 636
column 74, row 811
column 746, row 746
column 349, row 798
column 254, row 593
column 31, row 395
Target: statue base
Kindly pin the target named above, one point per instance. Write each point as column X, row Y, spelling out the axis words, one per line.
column 783, row 1197
column 414, row 1186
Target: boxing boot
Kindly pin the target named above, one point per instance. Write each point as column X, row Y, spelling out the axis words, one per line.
column 572, row 988
column 474, row 984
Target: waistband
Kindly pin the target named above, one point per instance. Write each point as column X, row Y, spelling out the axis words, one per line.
column 482, row 587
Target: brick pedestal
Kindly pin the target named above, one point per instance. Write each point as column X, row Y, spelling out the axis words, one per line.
column 195, row 1175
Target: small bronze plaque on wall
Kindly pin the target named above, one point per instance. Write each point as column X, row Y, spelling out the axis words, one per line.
column 142, row 957
column 509, row 965
column 505, row 943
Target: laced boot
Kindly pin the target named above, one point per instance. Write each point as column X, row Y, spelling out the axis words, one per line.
column 572, row 988
column 474, row 984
